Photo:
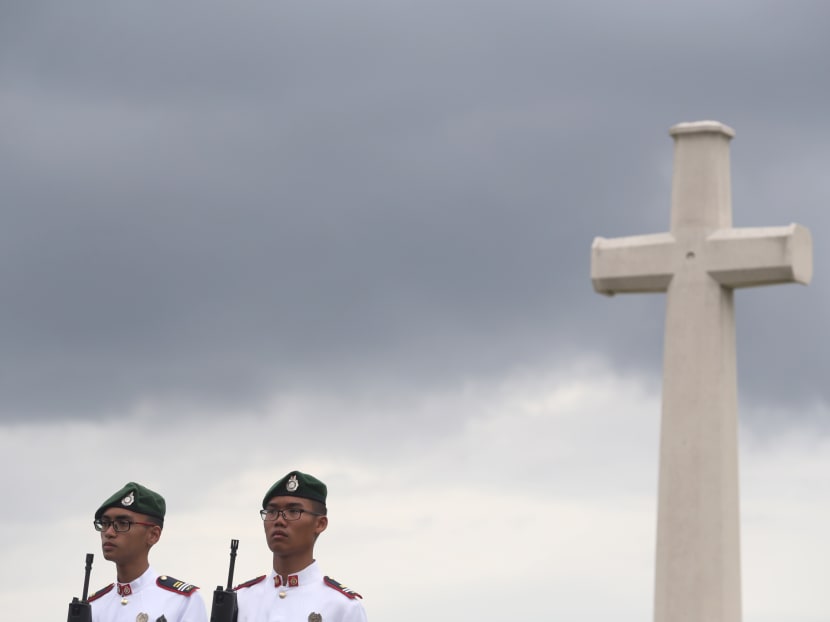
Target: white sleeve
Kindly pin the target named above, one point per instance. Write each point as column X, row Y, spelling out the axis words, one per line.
column 195, row 610
column 355, row 613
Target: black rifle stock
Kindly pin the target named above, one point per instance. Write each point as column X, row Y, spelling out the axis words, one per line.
column 224, row 601
column 80, row 610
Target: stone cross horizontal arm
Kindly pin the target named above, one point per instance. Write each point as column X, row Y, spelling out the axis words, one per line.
column 741, row 257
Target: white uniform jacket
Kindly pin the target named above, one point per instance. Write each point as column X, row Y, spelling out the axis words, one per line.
column 150, row 598
column 307, row 596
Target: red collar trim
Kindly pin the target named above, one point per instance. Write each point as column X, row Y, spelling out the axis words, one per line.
column 293, row 580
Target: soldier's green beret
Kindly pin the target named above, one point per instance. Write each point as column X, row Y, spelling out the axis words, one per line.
column 136, row 498
column 297, row 484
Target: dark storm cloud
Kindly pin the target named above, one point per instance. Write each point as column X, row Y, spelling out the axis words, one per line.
column 209, row 203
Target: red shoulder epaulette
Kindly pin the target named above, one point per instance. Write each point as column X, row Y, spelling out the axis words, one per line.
column 100, row 593
column 174, row 585
column 341, row 588
column 249, row 583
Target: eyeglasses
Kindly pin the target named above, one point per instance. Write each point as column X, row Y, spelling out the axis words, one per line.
column 119, row 525
column 287, row 514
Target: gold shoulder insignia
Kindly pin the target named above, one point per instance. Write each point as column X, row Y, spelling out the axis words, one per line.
column 100, row 593
column 174, row 585
column 249, row 583
column 347, row 591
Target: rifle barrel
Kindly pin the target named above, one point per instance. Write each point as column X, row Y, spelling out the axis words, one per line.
column 234, row 546
column 88, row 569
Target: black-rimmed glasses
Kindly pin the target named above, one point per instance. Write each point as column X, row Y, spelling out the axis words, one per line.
column 119, row 525
column 288, row 514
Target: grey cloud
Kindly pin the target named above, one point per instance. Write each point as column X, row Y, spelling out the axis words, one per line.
column 216, row 203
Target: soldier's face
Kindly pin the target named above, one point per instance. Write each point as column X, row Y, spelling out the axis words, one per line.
column 123, row 547
column 289, row 537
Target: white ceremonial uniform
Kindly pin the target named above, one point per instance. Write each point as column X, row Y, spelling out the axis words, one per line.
column 146, row 600
column 304, row 596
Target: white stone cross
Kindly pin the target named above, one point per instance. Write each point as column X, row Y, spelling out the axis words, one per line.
column 698, row 263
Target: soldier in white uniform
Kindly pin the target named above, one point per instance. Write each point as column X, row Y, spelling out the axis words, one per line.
column 294, row 515
column 130, row 523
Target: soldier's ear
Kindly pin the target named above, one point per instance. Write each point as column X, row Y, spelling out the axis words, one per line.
column 322, row 523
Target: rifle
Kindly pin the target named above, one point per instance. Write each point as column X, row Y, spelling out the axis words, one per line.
column 80, row 610
column 224, row 601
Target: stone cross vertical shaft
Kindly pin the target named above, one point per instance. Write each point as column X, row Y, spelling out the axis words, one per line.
column 698, row 264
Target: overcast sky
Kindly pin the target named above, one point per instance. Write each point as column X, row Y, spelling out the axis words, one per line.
column 353, row 238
